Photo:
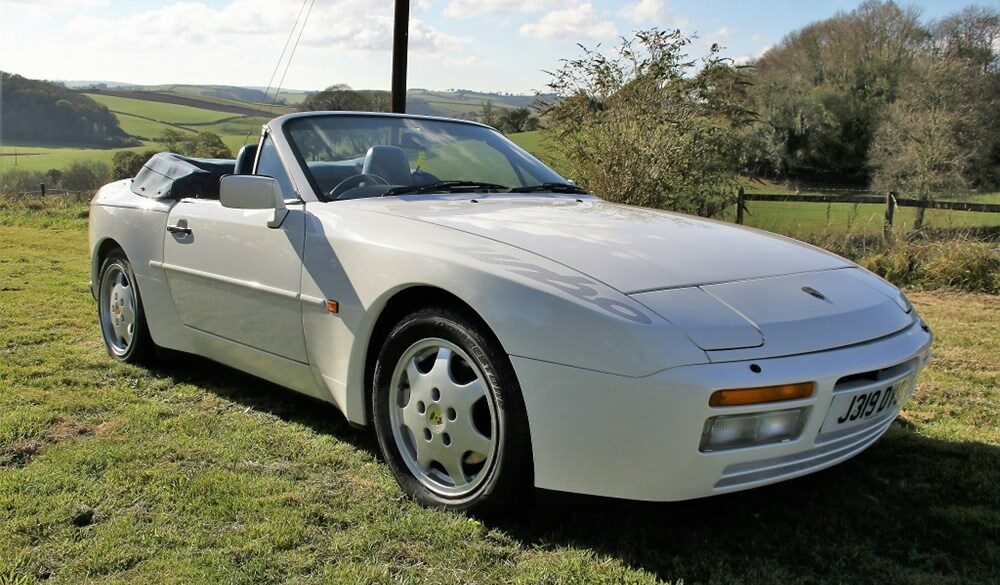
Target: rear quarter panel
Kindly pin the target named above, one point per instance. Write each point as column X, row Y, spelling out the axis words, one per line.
column 136, row 225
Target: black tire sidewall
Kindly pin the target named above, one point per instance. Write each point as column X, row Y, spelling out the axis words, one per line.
column 510, row 470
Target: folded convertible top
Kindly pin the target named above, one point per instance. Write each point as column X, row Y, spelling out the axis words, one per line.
column 172, row 176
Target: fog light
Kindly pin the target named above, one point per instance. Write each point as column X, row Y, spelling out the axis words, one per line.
column 745, row 430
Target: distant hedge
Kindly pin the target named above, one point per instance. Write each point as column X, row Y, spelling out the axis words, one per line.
column 40, row 112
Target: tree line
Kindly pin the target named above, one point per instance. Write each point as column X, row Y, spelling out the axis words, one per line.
column 342, row 97
column 35, row 111
column 872, row 97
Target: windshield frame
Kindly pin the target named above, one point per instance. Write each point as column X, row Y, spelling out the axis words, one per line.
column 285, row 125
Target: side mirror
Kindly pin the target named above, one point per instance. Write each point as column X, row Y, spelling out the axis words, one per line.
column 253, row 192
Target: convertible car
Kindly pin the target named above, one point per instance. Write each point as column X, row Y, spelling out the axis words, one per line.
column 498, row 327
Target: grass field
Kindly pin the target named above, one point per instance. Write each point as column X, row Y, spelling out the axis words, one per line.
column 814, row 219
column 141, row 118
column 195, row 473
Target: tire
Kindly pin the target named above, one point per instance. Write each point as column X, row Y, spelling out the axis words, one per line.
column 442, row 385
column 120, row 313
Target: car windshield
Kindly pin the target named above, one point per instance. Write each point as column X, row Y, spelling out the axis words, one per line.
column 355, row 156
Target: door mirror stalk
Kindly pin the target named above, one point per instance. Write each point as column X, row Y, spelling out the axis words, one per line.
column 254, row 192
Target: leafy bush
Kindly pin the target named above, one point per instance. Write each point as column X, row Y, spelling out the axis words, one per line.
column 645, row 127
column 85, row 176
column 17, row 180
column 200, row 145
column 127, row 163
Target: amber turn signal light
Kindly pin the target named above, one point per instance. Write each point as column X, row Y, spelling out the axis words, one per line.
column 744, row 396
column 333, row 307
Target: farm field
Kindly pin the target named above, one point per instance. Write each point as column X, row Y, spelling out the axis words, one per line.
column 807, row 219
column 141, row 118
column 191, row 472
column 817, row 219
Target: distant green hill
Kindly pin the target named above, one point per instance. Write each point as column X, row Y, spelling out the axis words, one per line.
column 142, row 113
column 44, row 113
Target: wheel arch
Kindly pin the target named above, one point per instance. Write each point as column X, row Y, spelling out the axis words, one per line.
column 400, row 304
column 101, row 251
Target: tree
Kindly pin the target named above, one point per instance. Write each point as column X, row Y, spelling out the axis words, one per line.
column 174, row 140
column 488, row 115
column 86, row 175
column 920, row 147
column 343, row 98
column 200, row 145
column 512, row 121
column 47, row 113
column 127, row 163
column 208, row 145
column 640, row 127
column 971, row 39
column 822, row 91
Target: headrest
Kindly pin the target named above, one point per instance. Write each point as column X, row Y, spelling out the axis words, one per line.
column 390, row 163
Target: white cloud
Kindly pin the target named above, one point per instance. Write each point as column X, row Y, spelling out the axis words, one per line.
column 475, row 8
column 576, row 23
column 744, row 59
column 60, row 4
column 652, row 13
column 347, row 25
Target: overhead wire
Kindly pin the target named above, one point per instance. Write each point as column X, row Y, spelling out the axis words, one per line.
column 274, row 73
column 288, row 63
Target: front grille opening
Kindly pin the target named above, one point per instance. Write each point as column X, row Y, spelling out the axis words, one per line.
column 861, row 378
column 871, row 376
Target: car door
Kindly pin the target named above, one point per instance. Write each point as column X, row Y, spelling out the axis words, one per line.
column 233, row 277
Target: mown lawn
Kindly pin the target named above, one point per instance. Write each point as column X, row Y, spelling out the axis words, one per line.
column 195, row 473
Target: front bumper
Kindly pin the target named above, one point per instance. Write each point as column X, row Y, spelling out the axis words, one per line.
column 638, row 438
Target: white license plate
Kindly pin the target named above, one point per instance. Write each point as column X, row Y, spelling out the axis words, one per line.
column 855, row 408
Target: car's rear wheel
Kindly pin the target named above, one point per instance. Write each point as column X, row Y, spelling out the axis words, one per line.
column 120, row 312
column 449, row 414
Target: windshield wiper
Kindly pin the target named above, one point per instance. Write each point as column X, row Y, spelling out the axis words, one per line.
column 552, row 188
column 447, row 186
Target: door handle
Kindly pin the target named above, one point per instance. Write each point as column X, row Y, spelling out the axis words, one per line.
column 178, row 230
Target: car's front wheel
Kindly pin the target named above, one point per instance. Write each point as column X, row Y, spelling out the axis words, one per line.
column 120, row 312
column 449, row 414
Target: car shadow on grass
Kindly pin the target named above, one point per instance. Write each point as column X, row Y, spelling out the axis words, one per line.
column 262, row 396
column 909, row 509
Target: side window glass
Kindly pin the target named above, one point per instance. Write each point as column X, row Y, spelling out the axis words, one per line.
column 269, row 165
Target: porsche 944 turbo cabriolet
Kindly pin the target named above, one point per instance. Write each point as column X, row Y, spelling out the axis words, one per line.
column 498, row 327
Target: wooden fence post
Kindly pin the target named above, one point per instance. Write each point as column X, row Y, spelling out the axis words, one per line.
column 890, row 210
column 41, row 189
column 740, row 195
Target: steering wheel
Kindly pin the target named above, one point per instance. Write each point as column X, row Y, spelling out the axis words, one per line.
column 355, row 181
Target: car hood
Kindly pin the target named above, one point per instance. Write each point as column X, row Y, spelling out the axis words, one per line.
column 628, row 248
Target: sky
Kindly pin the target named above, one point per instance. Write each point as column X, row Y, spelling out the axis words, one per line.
column 490, row 45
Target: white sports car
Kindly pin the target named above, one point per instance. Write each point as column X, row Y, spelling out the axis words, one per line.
column 497, row 326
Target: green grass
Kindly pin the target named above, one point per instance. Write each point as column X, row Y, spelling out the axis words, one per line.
column 812, row 219
column 539, row 143
column 195, row 473
column 43, row 158
column 164, row 112
column 141, row 118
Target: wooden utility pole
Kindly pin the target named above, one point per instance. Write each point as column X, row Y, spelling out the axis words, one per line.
column 1, row 120
column 400, row 45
